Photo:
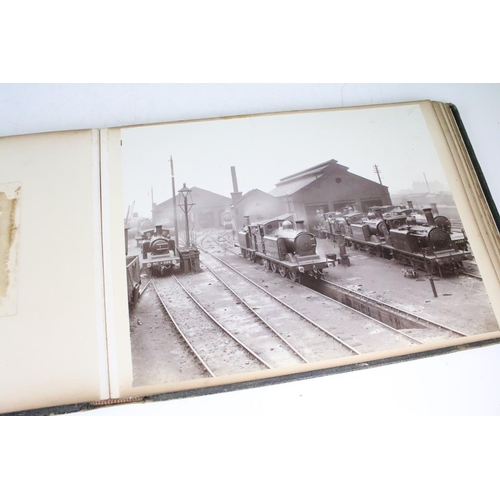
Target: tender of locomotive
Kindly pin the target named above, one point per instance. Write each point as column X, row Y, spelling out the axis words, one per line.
column 282, row 248
column 159, row 253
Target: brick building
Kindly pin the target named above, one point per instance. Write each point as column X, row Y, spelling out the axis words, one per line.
column 328, row 186
column 258, row 205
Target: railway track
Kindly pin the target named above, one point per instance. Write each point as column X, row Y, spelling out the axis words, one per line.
column 394, row 331
column 401, row 313
column 217, row 349
column 304, row 331
column 253, row 311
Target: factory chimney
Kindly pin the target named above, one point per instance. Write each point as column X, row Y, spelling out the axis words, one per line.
column 235, row 195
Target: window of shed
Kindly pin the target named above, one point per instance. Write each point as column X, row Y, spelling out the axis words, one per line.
column 338, row 180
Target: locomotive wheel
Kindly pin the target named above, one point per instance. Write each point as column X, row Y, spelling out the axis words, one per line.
column 266, row 265
column 293, row 274
column 283, row 271
column 274, row 267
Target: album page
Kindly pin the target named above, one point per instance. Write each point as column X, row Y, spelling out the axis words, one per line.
column 52, row 324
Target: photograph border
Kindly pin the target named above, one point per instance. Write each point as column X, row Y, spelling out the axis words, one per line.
column 122, row 385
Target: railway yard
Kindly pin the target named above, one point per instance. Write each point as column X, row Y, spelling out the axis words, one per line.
column 237, row 316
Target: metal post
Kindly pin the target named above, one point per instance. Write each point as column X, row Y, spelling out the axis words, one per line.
column 433, row 286
column 188, row 243
column 174, row 196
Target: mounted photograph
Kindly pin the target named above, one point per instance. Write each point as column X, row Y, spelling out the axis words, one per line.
column 285, row 243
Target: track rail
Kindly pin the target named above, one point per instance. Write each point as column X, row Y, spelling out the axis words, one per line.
column 178, row 328
column 225, row 330
column 472, row 275
column 143, row 289
column 255, row 313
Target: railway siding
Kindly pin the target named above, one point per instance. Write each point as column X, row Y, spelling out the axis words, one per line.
column 234, row 315
column 358, row 331
column 222, row 353
column 313, row 343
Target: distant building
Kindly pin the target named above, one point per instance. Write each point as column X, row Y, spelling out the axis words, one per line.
column 424, row 199
column 328, row 187
column 207, row 211
column 258, row 205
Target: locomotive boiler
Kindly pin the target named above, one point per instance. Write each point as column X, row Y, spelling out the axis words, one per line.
column 282, row 248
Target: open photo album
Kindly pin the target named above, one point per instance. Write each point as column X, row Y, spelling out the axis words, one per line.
column 155, row 261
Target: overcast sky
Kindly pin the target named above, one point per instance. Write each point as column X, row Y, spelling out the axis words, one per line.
column 268, row 148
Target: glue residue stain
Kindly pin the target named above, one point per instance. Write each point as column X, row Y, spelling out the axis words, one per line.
column 8, row 231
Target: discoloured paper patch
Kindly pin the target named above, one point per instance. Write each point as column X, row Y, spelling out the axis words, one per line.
column 9, row 241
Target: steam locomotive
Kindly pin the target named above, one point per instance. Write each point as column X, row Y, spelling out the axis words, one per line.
column 421, row 244
column 226, row 220
column 282, row 248
column 158, row 252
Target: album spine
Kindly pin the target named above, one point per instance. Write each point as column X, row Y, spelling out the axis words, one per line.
column 475, row 164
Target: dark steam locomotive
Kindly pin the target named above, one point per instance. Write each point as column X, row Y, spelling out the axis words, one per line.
column 428, row 246
column 159, row 253
column 282, row 248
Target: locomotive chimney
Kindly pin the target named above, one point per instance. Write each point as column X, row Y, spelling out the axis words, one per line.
column 429, row 216
column 434, row 208
column 299, row 224
column 247, row 220
column 159, row 228
column 410, row 204
column 378, row 213
column 235, row 195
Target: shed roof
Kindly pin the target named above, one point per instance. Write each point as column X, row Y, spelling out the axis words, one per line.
column 196, row 191
column 251, row 193
column 295, row 182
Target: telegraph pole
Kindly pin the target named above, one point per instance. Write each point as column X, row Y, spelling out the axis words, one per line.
column 376, row 169
column 428, row 189
column 174, row 196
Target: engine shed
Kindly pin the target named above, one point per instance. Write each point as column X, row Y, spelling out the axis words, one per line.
column 328, row 187
column 257, row 205
column 207, row 212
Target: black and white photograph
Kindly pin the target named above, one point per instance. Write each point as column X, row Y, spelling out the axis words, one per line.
column 282, row 243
